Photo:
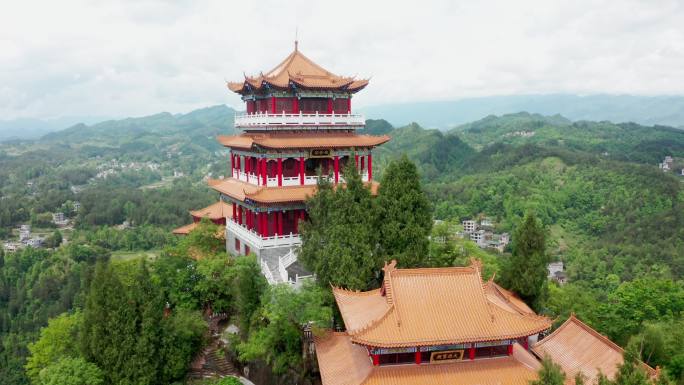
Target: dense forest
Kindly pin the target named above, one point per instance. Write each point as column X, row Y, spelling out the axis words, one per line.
column 606, row 210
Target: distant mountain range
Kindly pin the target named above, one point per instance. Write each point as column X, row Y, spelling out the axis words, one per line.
column 444, row 115
column 646, row 110
column 35, row 128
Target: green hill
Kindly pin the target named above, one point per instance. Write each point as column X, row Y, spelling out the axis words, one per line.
column 619, row 210
column 624, row 141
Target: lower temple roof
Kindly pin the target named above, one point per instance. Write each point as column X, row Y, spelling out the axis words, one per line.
column 185, row 230
column 431, row 306
column 216, row 210
column 342, row 362
column 576, row 347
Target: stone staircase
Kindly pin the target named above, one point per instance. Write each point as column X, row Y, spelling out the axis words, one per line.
column 210, row 362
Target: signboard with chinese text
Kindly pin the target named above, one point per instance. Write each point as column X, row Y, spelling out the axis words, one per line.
column 446, row 356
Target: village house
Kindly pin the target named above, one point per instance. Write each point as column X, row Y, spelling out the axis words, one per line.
column 485, row 238
column 24, row 233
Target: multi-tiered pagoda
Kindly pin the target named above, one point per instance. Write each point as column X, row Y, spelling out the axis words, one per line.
column 298, row 123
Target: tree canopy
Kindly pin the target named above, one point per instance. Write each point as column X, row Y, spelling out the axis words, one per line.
column 404, row 215
column 339, row 241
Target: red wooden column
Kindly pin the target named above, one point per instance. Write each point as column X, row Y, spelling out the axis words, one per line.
column 280, row 172
column 234, row 211
column 260, row 219
column 356, row 160
column 349, row 105
column 301, row 170
column 240, row 215
column 370, row 166
column 525, row 344
column 418, row 356
column 510, row 349
column 471, row 352
column 330, row 106
column 296, row 221
column 248, row 166
column 264, row 171
column 250, row 219
column 273, row 104
column 295, row 105
column 279, row 219
column 376, row 359
column 337, row 169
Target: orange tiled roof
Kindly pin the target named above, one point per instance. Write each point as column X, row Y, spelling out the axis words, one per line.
column 268, row 195
column 343, row 363
column 185, row 230
column 505, row 299
column 576, row 347
column 361, row 308
column 216, row 210
column 302, row 140
column 435, row 306
column 301, row 71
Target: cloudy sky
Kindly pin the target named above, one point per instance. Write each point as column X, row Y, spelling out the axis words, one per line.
column 114, row 59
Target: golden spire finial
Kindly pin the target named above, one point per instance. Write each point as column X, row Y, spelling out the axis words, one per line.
column 296, row 38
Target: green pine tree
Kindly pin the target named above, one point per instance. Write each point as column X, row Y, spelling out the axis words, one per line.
column 550, row 373
column 124, row 331
column 339, row 241
column 404, row 214
column 526, row 271
column 95, row 336
column 145, row 364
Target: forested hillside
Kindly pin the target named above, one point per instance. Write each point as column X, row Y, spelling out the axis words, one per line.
column 625, row 141
column 613, row 217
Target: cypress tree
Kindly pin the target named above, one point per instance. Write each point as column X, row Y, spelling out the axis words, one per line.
column 122, row 325
column 145, row 363
column 526, row 271
column 95, row 336
column 339, row 241
column 249, row 286
column 404, row 214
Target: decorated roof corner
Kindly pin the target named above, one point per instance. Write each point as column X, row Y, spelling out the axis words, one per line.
column 216, row 210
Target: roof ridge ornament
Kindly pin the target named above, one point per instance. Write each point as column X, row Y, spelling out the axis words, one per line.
column 296, row 38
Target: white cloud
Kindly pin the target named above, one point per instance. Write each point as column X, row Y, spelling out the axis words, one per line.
column 76, row 58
